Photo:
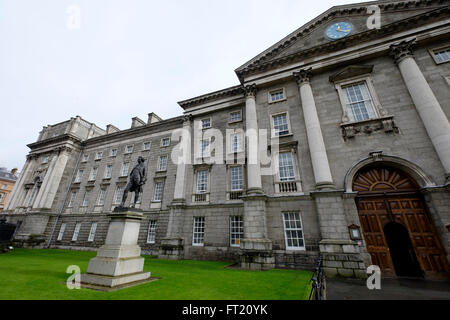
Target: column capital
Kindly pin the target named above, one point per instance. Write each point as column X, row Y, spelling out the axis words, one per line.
column 250, row 90
column 402, row 50
column 303, row 76
column 187, row 119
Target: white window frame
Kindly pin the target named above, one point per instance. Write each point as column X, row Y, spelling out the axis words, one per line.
column 197, row 181
column 79, row 176
column 101, row 197
column 119, row 190
column 433, row 52
column 73, row 196
column 61, row 232
column 86, row 198
column 157, row 182
column 113, row 152
column 230, row 175
column 272, row 123
column 294, row 178
column 98, row 155
column 202, row 123
column 271, row 92
column 378, row 109
column 168, row 143
column 241, row 145
column 122, row 170
column 108, row 171
column 207, row 152
column 92, row 232
column 301, row 229
column 93, row 174
column 198, row 224
column 144, row 144
column 76, row 231
column 160, row 168
column 128, row 147
column 233, row 233
column 230, row 120
column 151, row 233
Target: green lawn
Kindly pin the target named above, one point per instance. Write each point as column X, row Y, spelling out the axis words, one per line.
column 39, row 275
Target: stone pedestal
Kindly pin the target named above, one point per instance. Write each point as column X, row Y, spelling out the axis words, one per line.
column 342, row 258
column 172, row 249
column 118, row 263
column 257, row 254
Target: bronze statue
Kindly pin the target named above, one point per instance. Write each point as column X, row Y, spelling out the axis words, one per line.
column 138, row 178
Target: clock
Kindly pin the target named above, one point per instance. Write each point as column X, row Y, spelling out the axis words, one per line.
column 338, row 30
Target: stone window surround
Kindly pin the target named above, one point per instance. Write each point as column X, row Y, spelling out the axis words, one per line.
column 93, row 174
column 293, row 149
column 235, row 121
column 85, row 158
column 76, row 231
column 127, row 147
column 62, row 229
column 158, row 169
column 156, row 181
column 46, row 159
column 272, row 115
column 92, row 232
column 113, row 152
column 284, row 231
column 432, row 52
column 210, row 123
column 229, row 141
column 149, row 145
column 72, row 198
column 105, row 176
column 86, row 197
column 152, row 226
column 203, row 233
column 162, row 142
column 228, row 175
column 231, row 224
column 379, row 111
column 197, row 168
column 269, row 95
column 97, row 203
column 98, row 155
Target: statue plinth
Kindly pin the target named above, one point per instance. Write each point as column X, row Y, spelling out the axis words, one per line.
column 118, row 263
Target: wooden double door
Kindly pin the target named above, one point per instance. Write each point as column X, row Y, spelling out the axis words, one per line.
column 399, row 233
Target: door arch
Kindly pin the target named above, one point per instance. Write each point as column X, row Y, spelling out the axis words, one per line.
column 391, row 207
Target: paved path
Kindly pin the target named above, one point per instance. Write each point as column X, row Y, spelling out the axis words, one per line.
column 391, row 289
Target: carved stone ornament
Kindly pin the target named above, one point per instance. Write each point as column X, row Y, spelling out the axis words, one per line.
column 303, row 76
column 250, row 90
column 402, row 50
column 385, row 124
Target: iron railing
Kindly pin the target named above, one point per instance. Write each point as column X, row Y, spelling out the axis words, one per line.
column 318, row 286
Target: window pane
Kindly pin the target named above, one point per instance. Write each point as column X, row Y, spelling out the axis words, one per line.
column 280, row 124
column 199, row 231
column 202, row 181
column 159, row 186
column 236, row 230
column 286, row 167
column 151, row 237
column 237, row 180
column 359, row 102
column 293, row 230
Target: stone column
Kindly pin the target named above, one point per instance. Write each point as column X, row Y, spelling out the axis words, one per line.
column 254, row 184
column 19, row 186
column 256, row 250
column 428, row 107
column 319, row 158
column 184, row 160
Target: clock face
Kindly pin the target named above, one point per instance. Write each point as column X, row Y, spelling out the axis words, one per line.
column 338, row 30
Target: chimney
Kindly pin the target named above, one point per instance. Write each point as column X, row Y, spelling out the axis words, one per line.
column 153, row 118
column 14, row 171
column 136, row 122
column 111, row 129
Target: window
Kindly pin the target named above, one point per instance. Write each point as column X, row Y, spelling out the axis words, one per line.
column 2, row 197
column 101, row 197
column 73, row 195
column 199, row 231
column 236, row 116
column 124, row 171
column 79, row 176
column 92, row 232
column 165, row 142
column 359, row 102
column 108, row 171
column 236, row 230
column 276, row 95
column 76, row 231
column 441, row 55
column 206, row 123
column 293, row 231
column 93, row 174
column 236, row 178
column 151, row 236
column 202, row 181
column 286, row 166
column 113, row 153
column 85, row 158
column 159, row 188
column 204, row 148
column 118, row 196
column 162, row 163
column 46, row 159
column 3, row 186
column 87, row 194
column 147, row 146
column 280, row 124
column 236, row 143
column 61, row 232
column 99, row 155
column 129, row 149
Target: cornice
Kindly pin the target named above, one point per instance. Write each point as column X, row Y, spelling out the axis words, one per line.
column 54, row 140
column 262, row 64
column 228, row 92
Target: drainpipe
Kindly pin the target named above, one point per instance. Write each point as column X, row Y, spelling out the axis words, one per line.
column 65, row 198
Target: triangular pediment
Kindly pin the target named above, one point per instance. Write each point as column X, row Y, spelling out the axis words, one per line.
column 350, row 72
column 312, row 34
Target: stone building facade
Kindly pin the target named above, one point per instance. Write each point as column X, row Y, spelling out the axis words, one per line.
column 336, row 142
column 7, row 181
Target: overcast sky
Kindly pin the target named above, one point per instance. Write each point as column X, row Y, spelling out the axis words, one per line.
column 127, row 58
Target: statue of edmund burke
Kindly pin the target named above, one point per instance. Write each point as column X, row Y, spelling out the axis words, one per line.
column 138, row 178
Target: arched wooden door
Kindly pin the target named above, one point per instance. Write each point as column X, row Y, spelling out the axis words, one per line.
column 388, row 195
